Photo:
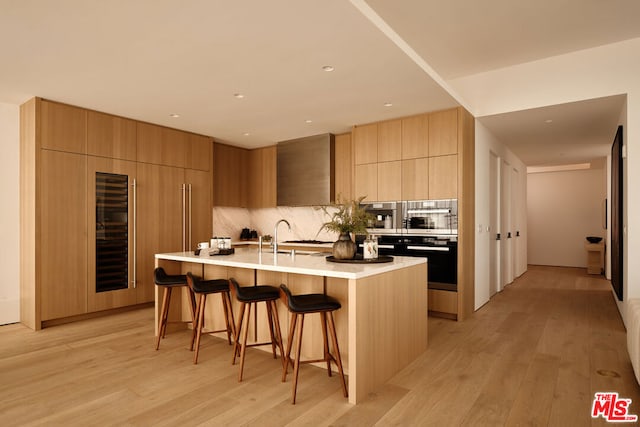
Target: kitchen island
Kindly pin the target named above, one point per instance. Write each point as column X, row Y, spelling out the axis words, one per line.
column 382, row 325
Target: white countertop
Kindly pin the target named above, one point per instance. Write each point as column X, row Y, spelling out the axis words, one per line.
column 312, row 265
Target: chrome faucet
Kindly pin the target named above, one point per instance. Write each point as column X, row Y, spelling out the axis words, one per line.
column 275, row 235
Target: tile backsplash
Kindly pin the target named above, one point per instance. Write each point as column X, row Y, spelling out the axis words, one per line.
column 305, row 222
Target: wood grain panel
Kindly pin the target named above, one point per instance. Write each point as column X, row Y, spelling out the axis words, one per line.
column 390, row 181
column 389, row 140
column 366, row 182
column 443, row 301
column 415, row 137
column 63, row 222
column 230, row 179
column 161, row 146
column 415, row 179
column 344, row 166
column 443, row 177
column 63, row 127
column 199, row 152
column 262, row 171
column 200, row 209
column 443, row 133
column 365, row 144
column 111, row 136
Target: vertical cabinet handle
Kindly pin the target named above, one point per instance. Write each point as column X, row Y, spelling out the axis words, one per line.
column 134, row 187
column 184, row 217
column 190, row 216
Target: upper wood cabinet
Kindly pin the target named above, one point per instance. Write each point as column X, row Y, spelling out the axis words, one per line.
column 199, row 152
column 161, row 146
column 365, row 144
column 230, row 179
column 262, row 170
column 63, row 127
column 443, row 177
column 443, row 133
column 415, row 137
column 389, row 140
column 389, row 181
column 415, row 179
column 111, row 136
column 343, row 166
column 366, row 183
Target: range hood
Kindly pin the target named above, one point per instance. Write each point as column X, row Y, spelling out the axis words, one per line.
column 306, row 171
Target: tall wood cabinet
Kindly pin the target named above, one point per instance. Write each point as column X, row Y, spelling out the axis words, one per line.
column 161, row 202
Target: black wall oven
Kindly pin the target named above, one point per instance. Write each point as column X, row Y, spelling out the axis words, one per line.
column 441, row 253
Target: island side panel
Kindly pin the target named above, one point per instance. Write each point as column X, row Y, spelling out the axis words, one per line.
column 387, row 327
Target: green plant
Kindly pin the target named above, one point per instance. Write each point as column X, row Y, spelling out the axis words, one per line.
column 347, row 216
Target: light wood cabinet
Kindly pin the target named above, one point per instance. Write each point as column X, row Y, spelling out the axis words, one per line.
column 389, row 140
column 415, row 179
column 263, row 177
column 199, row 211
column 160, row 145
column 111, row 136
column 343, row 167
column 415, row 137
column 63, row 234
column 199, row 152
column 443, row 177
column 366, row 182
column 389, row 181
column 63, row 127
column 443, row 133
column 230, row 180
column 365, row 144
column 97, row 301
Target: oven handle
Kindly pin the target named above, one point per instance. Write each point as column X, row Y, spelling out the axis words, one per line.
column 380, row 246
column 427, row 248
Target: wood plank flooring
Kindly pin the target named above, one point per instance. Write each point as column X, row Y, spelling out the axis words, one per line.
column 534, row 355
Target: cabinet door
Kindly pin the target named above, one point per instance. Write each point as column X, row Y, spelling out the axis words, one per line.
column 365, row 144
column 366, row 184
column 160, row 145
column 389, row 181
column 443, row 177
column 230, row 177
column 199, row 201
column 415, row 179
column 106, row 220
column 415, row 137
column 63, row 127
column 343, row 166
column 389, row 140
column 443, row 133
column 199, row 152
column 63, row 234
column 161, row 204
column 111, row 136
column 263, row 177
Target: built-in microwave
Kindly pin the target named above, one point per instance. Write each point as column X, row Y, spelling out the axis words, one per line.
column 387, row 217
column 430, row 216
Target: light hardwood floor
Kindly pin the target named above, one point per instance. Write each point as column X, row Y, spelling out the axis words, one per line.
column 534, row 355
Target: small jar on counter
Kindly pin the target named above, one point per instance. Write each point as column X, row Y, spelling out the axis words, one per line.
column 370, row 247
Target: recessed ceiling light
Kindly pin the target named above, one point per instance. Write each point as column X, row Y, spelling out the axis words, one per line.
column 548, row 121
column 388, row 104
column 328, row 68
column 308, row 121
column 246, row 134
column 238, row 95
column 174, row 115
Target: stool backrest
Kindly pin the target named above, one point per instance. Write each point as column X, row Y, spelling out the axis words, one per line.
column 191, row 281
column 285, row 295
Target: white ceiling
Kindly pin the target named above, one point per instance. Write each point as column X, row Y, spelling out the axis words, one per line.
column 147, row 59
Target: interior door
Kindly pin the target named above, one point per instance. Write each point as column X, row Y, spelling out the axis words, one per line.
column 110, row 218
column 161, row 204
column 494, row 227
column 515, row 227
column 505, row 223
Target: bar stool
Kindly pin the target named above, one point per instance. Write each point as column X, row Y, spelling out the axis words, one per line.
column 252, row 295
column 168, row 282
column 299, row 305
column 202, row 288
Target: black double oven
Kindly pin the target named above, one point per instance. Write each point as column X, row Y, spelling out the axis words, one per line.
column 426, row 229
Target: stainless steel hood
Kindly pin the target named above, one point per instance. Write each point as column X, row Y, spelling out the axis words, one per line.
column 306, row 171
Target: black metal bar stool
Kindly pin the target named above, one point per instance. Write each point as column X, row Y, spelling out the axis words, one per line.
column 168, row 282
column 252, row 295
column 202, row 288
column 299, row 305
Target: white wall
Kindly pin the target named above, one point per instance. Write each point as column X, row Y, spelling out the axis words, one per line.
column 603, row 71
column 10, row 214
column 486, row 143
column 563, row 208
